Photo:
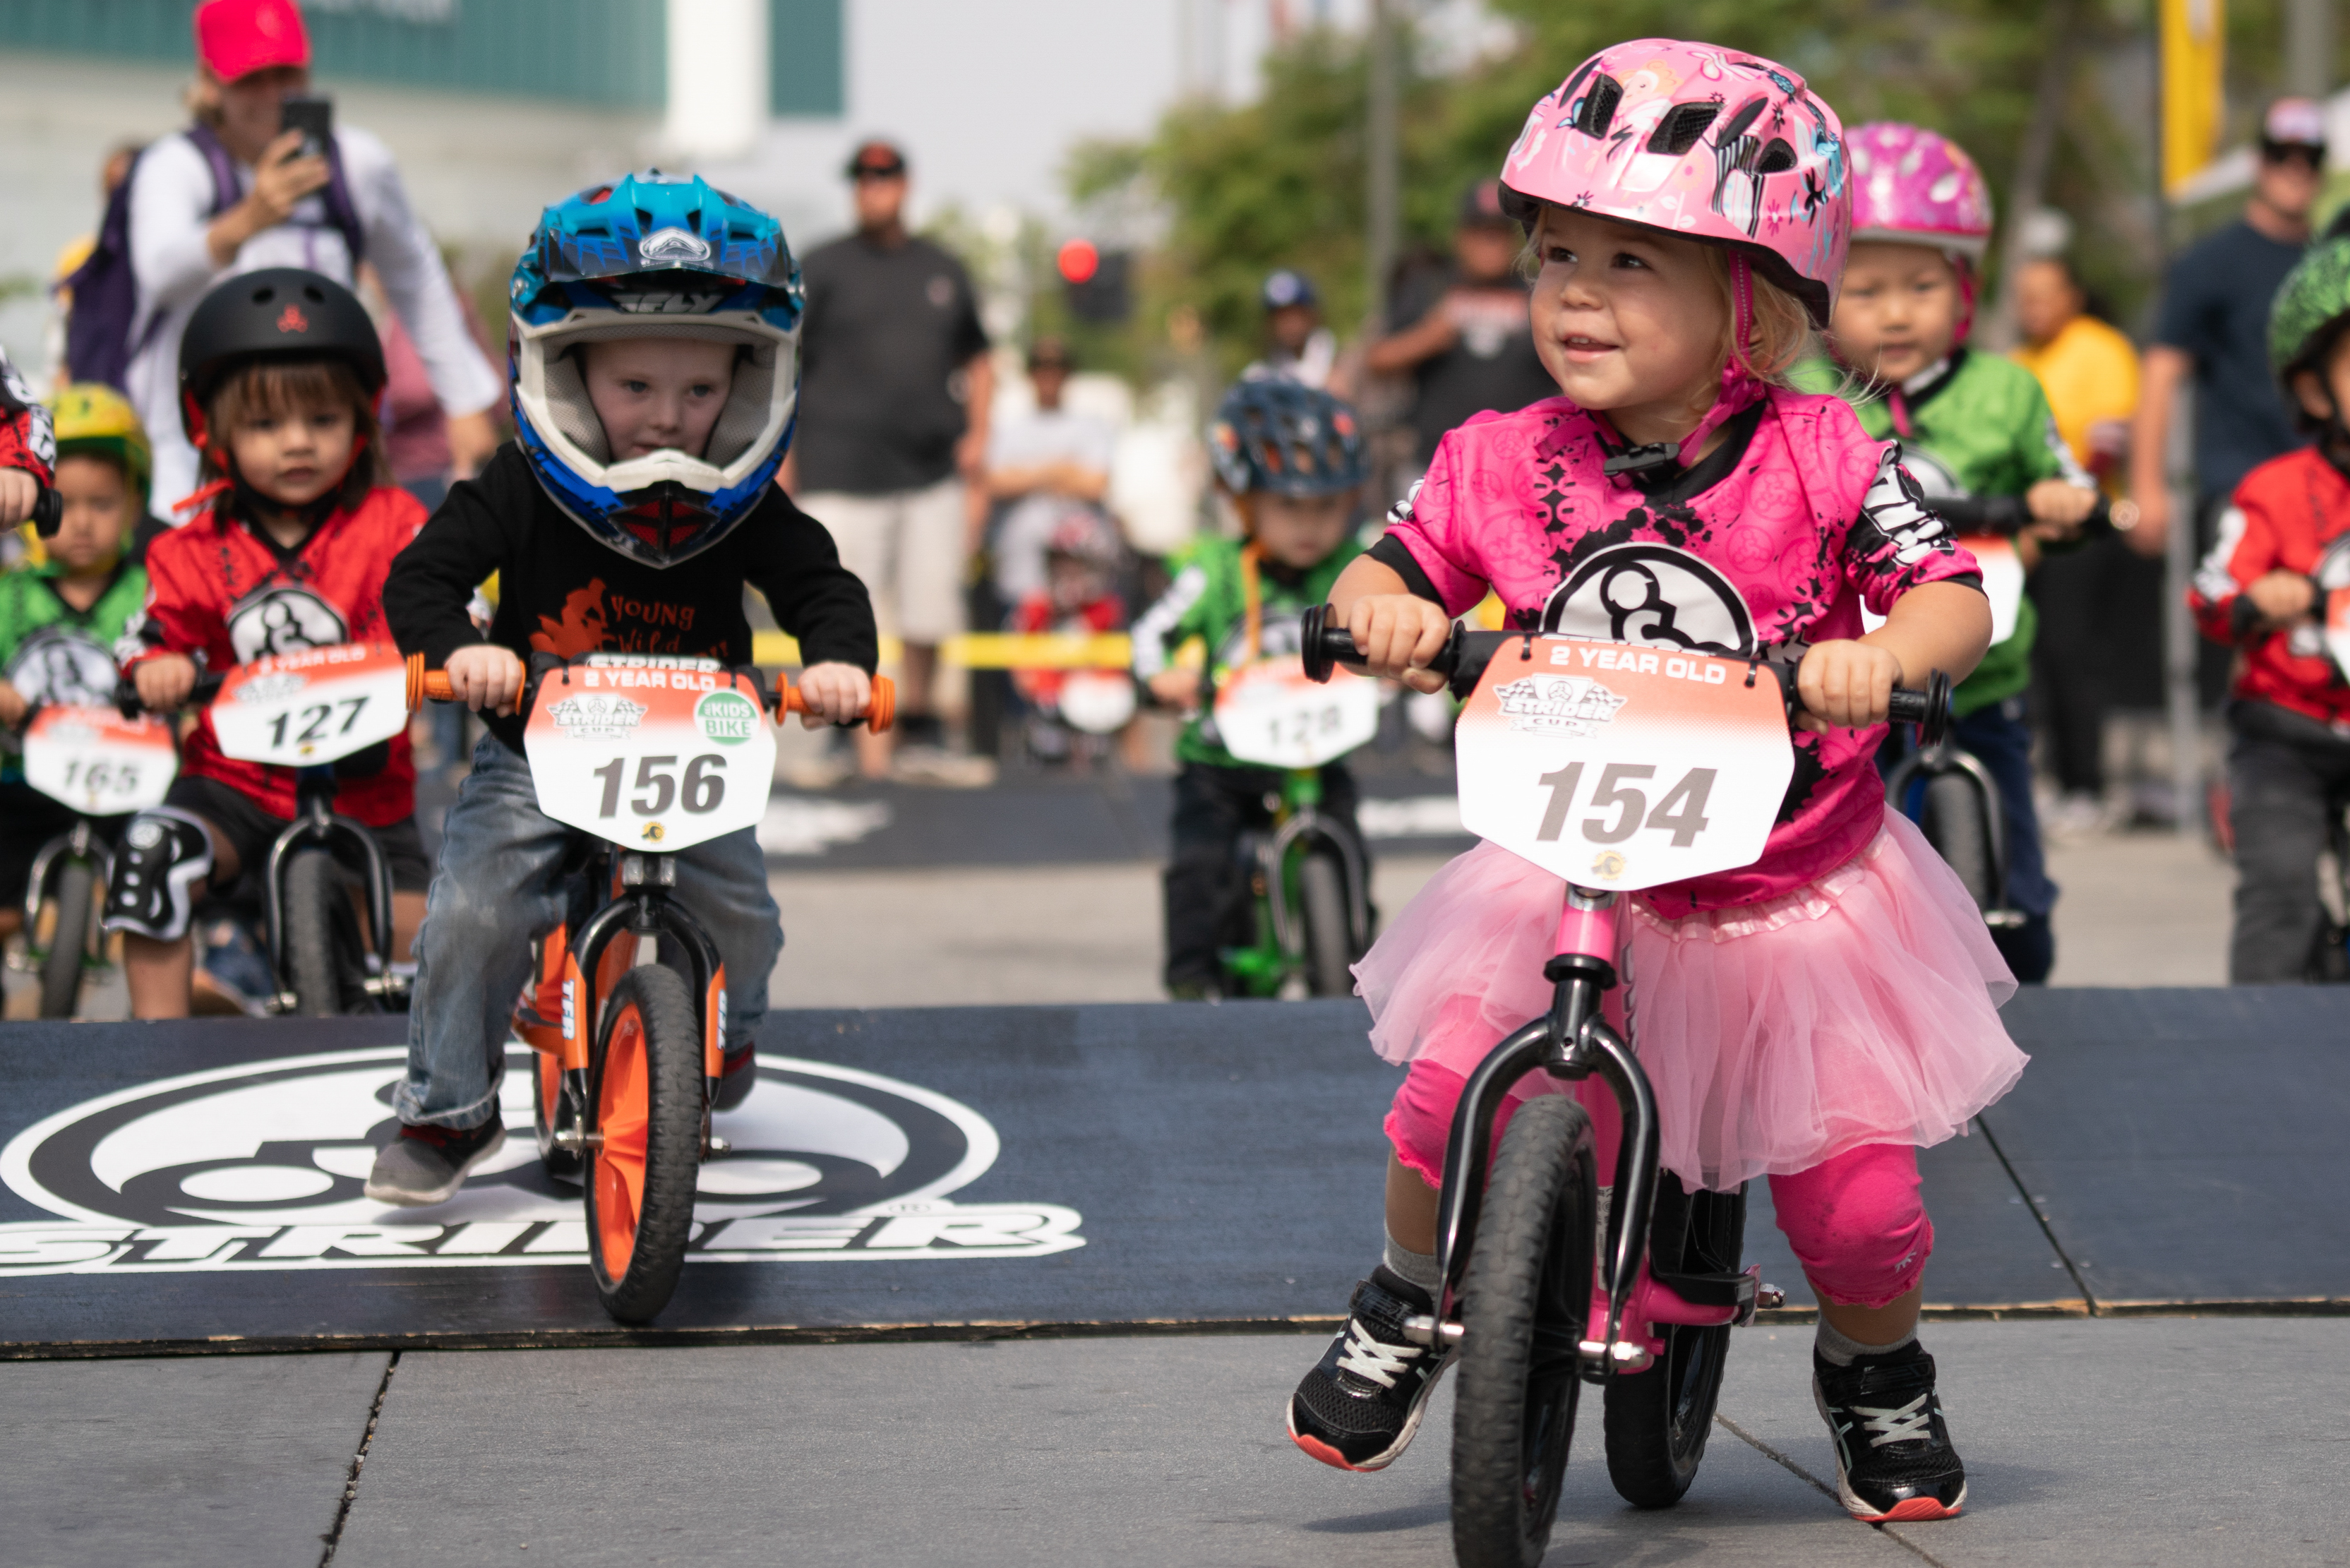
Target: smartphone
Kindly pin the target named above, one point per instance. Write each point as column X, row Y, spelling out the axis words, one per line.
column 315, row 119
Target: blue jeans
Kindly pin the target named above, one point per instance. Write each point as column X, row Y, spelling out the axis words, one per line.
column 501, row 883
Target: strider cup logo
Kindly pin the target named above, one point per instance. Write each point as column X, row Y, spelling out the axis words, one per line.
column 1656, row 596
column 597, row 718
column 283, row 620
column 63, row 667
column 261, row 1167
column 1572, row 705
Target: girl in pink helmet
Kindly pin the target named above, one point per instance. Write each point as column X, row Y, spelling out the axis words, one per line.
column 1812, row 1018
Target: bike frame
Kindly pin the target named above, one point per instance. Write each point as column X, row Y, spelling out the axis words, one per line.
column 1574, row 1042
column 316, row 822
column 639, row 904
column 1280, row 950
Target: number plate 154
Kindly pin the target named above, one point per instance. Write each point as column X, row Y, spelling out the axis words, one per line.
column 1622, row 767
column 650, row 753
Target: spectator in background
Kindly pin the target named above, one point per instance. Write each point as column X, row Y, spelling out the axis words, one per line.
column 1463, row 333
column 894, row 394
column 289, row 210
column 119, row 161
column 2089, row 371
column 1298, row 346
column 416, row 429
column 2213, row 329
column 1037, row 465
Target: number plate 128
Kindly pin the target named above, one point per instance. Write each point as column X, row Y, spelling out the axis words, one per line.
column 1624, row 767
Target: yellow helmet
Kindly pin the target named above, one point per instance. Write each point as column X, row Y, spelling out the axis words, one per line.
column 94, row 420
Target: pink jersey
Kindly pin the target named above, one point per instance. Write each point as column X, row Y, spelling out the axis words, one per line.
column 1777, row 538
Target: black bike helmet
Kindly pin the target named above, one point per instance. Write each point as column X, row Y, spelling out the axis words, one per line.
column 1285, row 438
column 277, row 313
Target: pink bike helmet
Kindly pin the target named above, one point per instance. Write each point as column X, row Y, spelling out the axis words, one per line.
column 1702, row 142
column 1914, row 186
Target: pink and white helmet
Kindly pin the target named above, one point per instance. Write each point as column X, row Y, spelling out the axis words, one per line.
column 1702, row 142
column 1914, row 186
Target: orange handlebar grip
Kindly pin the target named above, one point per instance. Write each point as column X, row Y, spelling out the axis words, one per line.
column 880, row 711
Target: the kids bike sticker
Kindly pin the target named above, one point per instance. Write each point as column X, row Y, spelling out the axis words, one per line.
column 97, row 762
column 1623, row 767
column 312, row 706
column 650, row 751
column 263, row 1166
column 1271, row 714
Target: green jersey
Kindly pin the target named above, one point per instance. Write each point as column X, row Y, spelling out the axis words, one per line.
column 52, row 652
column 1209, row 600
column 1978, row 426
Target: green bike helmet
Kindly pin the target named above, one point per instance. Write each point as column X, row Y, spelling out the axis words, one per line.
column 2312, row 308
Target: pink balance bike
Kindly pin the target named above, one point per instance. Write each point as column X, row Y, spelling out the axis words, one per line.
column 1634, row 1287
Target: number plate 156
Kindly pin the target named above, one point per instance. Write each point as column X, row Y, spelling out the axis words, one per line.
column 1615, row 766
column 650, row 766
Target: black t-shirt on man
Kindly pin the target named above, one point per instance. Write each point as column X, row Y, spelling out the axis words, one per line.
column 559, row 591
column 887, row 333
column 2215, row 307
column 1492, row 365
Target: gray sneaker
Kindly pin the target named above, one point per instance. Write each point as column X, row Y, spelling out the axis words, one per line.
column 426, row 1165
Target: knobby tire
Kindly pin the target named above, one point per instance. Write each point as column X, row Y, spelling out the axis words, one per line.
column 1657, row 1421
column 646, row 1093
column 77, row 885
column 1524, row 1304
column 1330, row 944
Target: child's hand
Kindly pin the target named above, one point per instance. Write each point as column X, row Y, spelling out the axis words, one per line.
column 2282, row 595
column 18, row 491
column 1178, row 689
column 12, row 705
column 2058, row 508
column 1398, row 634
column 165, row 681
column 1845, row 684
column 835, row 694
column 485, row 676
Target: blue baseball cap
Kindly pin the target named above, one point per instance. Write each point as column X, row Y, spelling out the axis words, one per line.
column 1286, row 289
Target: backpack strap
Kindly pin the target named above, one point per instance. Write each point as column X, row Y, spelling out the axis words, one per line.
column 219, row 161
column 341, row 210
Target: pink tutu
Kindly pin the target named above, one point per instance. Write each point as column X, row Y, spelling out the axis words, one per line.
column 1860, row 1008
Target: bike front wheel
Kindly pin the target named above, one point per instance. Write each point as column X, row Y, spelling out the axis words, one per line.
column 1956, row 823
column 1525, row 1302
column 1322, row 904
column 77, row 891
column 1657, row 1421
column 646, row 1158
column 322, row 965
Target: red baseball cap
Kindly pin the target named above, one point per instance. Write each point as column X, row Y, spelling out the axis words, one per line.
column 238, row 37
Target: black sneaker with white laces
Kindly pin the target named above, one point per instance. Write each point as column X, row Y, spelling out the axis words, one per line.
column 1894, row 1458
column 1359, row 1406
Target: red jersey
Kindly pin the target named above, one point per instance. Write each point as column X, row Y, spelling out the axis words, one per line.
column 224, row 590
column 2288, row 514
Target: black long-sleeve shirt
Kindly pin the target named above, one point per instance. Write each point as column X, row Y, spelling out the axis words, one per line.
column 559, row 591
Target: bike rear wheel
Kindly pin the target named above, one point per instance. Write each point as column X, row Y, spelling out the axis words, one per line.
column 1329, row 943
column 646, row 1094
column 1524, row 1305
column 1954, row 823
column 323, row 968
column 1657, row 1421
column 77, row 891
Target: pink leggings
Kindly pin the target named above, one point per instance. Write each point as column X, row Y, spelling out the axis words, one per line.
column 1855, row 1220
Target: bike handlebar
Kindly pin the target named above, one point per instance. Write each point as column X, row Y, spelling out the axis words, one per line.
column 433, row 686
column 128, row 702
column 2007, row 515
column 1325, row 644
column 48, row 512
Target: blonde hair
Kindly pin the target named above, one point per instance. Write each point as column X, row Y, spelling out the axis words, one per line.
column 1781, row 336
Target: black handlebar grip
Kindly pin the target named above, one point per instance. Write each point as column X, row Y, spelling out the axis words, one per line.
column 48, row 512
column 1929, row 710
column 1321, row 646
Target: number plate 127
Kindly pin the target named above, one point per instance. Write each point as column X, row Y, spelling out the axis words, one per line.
column 1623, row 767
column 650, row 766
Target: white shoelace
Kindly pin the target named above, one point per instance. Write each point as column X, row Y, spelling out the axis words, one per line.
column 1909, row 1424
column 1369, row 1360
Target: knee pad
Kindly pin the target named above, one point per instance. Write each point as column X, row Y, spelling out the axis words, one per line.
column 163, row 853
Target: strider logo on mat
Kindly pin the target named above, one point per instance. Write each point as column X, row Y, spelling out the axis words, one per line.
column 261, row 1165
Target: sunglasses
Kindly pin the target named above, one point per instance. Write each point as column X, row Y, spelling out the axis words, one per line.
column 2311, row 157
column 865, row 172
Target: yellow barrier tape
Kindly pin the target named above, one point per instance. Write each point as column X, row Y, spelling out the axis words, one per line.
column 985, row 651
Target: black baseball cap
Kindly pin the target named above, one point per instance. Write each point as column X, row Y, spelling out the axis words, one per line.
column 1050, row 352
column 2294, row 123
column 1481, row 207
column 875, row 156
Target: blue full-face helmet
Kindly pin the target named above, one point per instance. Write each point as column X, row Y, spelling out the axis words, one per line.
column 651, row 256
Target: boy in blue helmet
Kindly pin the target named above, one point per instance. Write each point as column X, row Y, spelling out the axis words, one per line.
column 653, row 358
column 1293, row 461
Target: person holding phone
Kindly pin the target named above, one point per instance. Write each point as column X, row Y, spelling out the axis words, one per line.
column 264, row 179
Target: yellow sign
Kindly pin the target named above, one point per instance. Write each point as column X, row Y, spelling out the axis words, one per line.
column 985, row 651
column 2194, row 53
